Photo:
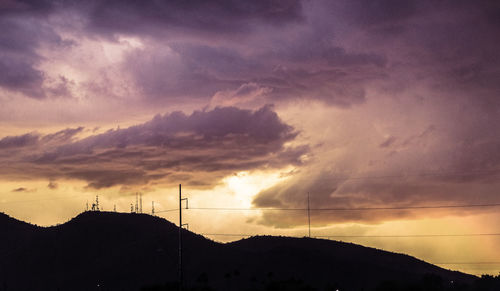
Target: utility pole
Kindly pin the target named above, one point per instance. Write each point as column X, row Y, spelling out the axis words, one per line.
column 180, row 235
column 140, row 203
column 152, row 208
column 309, row 214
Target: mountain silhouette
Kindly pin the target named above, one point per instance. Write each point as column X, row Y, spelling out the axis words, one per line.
column 121, row 251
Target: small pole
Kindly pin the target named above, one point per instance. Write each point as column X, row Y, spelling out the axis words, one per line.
column 180, row 235
column 309, row 214
column 180, row 238
column 152, row 208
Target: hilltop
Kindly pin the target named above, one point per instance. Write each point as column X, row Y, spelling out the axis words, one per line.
column 121, row 251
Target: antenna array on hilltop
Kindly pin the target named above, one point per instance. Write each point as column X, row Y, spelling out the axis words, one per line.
column 134, row 208
column 137, row 208
column 138, row 203
column 95, row 205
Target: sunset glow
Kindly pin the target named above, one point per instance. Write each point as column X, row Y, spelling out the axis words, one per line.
column 373, row 110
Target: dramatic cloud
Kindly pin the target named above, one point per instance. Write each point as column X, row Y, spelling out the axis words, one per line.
column 333, row 51
column 402, row 89
column 378, row 163
column 201, row 148
column 273, row 44
column 195, row 16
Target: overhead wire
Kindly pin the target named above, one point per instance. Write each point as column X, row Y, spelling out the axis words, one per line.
column 345, row 208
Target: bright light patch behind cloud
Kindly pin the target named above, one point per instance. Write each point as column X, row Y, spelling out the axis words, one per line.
column 245, row 185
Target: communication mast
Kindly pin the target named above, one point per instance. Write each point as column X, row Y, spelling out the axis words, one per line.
column 95, row 205
column 140, row 202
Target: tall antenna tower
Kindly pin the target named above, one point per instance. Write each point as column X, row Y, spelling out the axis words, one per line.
column 131, row 208
column 140, row 202
column 97, row 202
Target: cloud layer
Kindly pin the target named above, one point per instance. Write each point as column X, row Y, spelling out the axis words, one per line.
column 200, row 149
column 405, row 89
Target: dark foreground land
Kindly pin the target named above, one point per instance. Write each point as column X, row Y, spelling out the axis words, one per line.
column 117, row 251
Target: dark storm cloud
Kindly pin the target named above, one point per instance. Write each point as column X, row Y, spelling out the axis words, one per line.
column 446, row 46
column 403, row 171
column 18, row 42
column 299, row 49
column 25, row 28
column 331, row 191
column 348, row 54
column 20, row 75
column 371, row 13
column 19, row 141
column 444, row 54
column 10, row 7
column 295, row 59
column 228, row 16
column 36, row 140
column 200, row 71
column 204, row 146
column 181, row 74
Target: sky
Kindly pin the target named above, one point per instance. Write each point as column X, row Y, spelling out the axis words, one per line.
column 258, row 104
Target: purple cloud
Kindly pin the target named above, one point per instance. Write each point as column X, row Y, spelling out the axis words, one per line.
column 19, row 141
column 204, row 146
column 423, row 75
column 194, row 16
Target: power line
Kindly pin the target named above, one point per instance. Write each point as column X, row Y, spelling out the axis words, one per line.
column 345, row 208
column 167, row 210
